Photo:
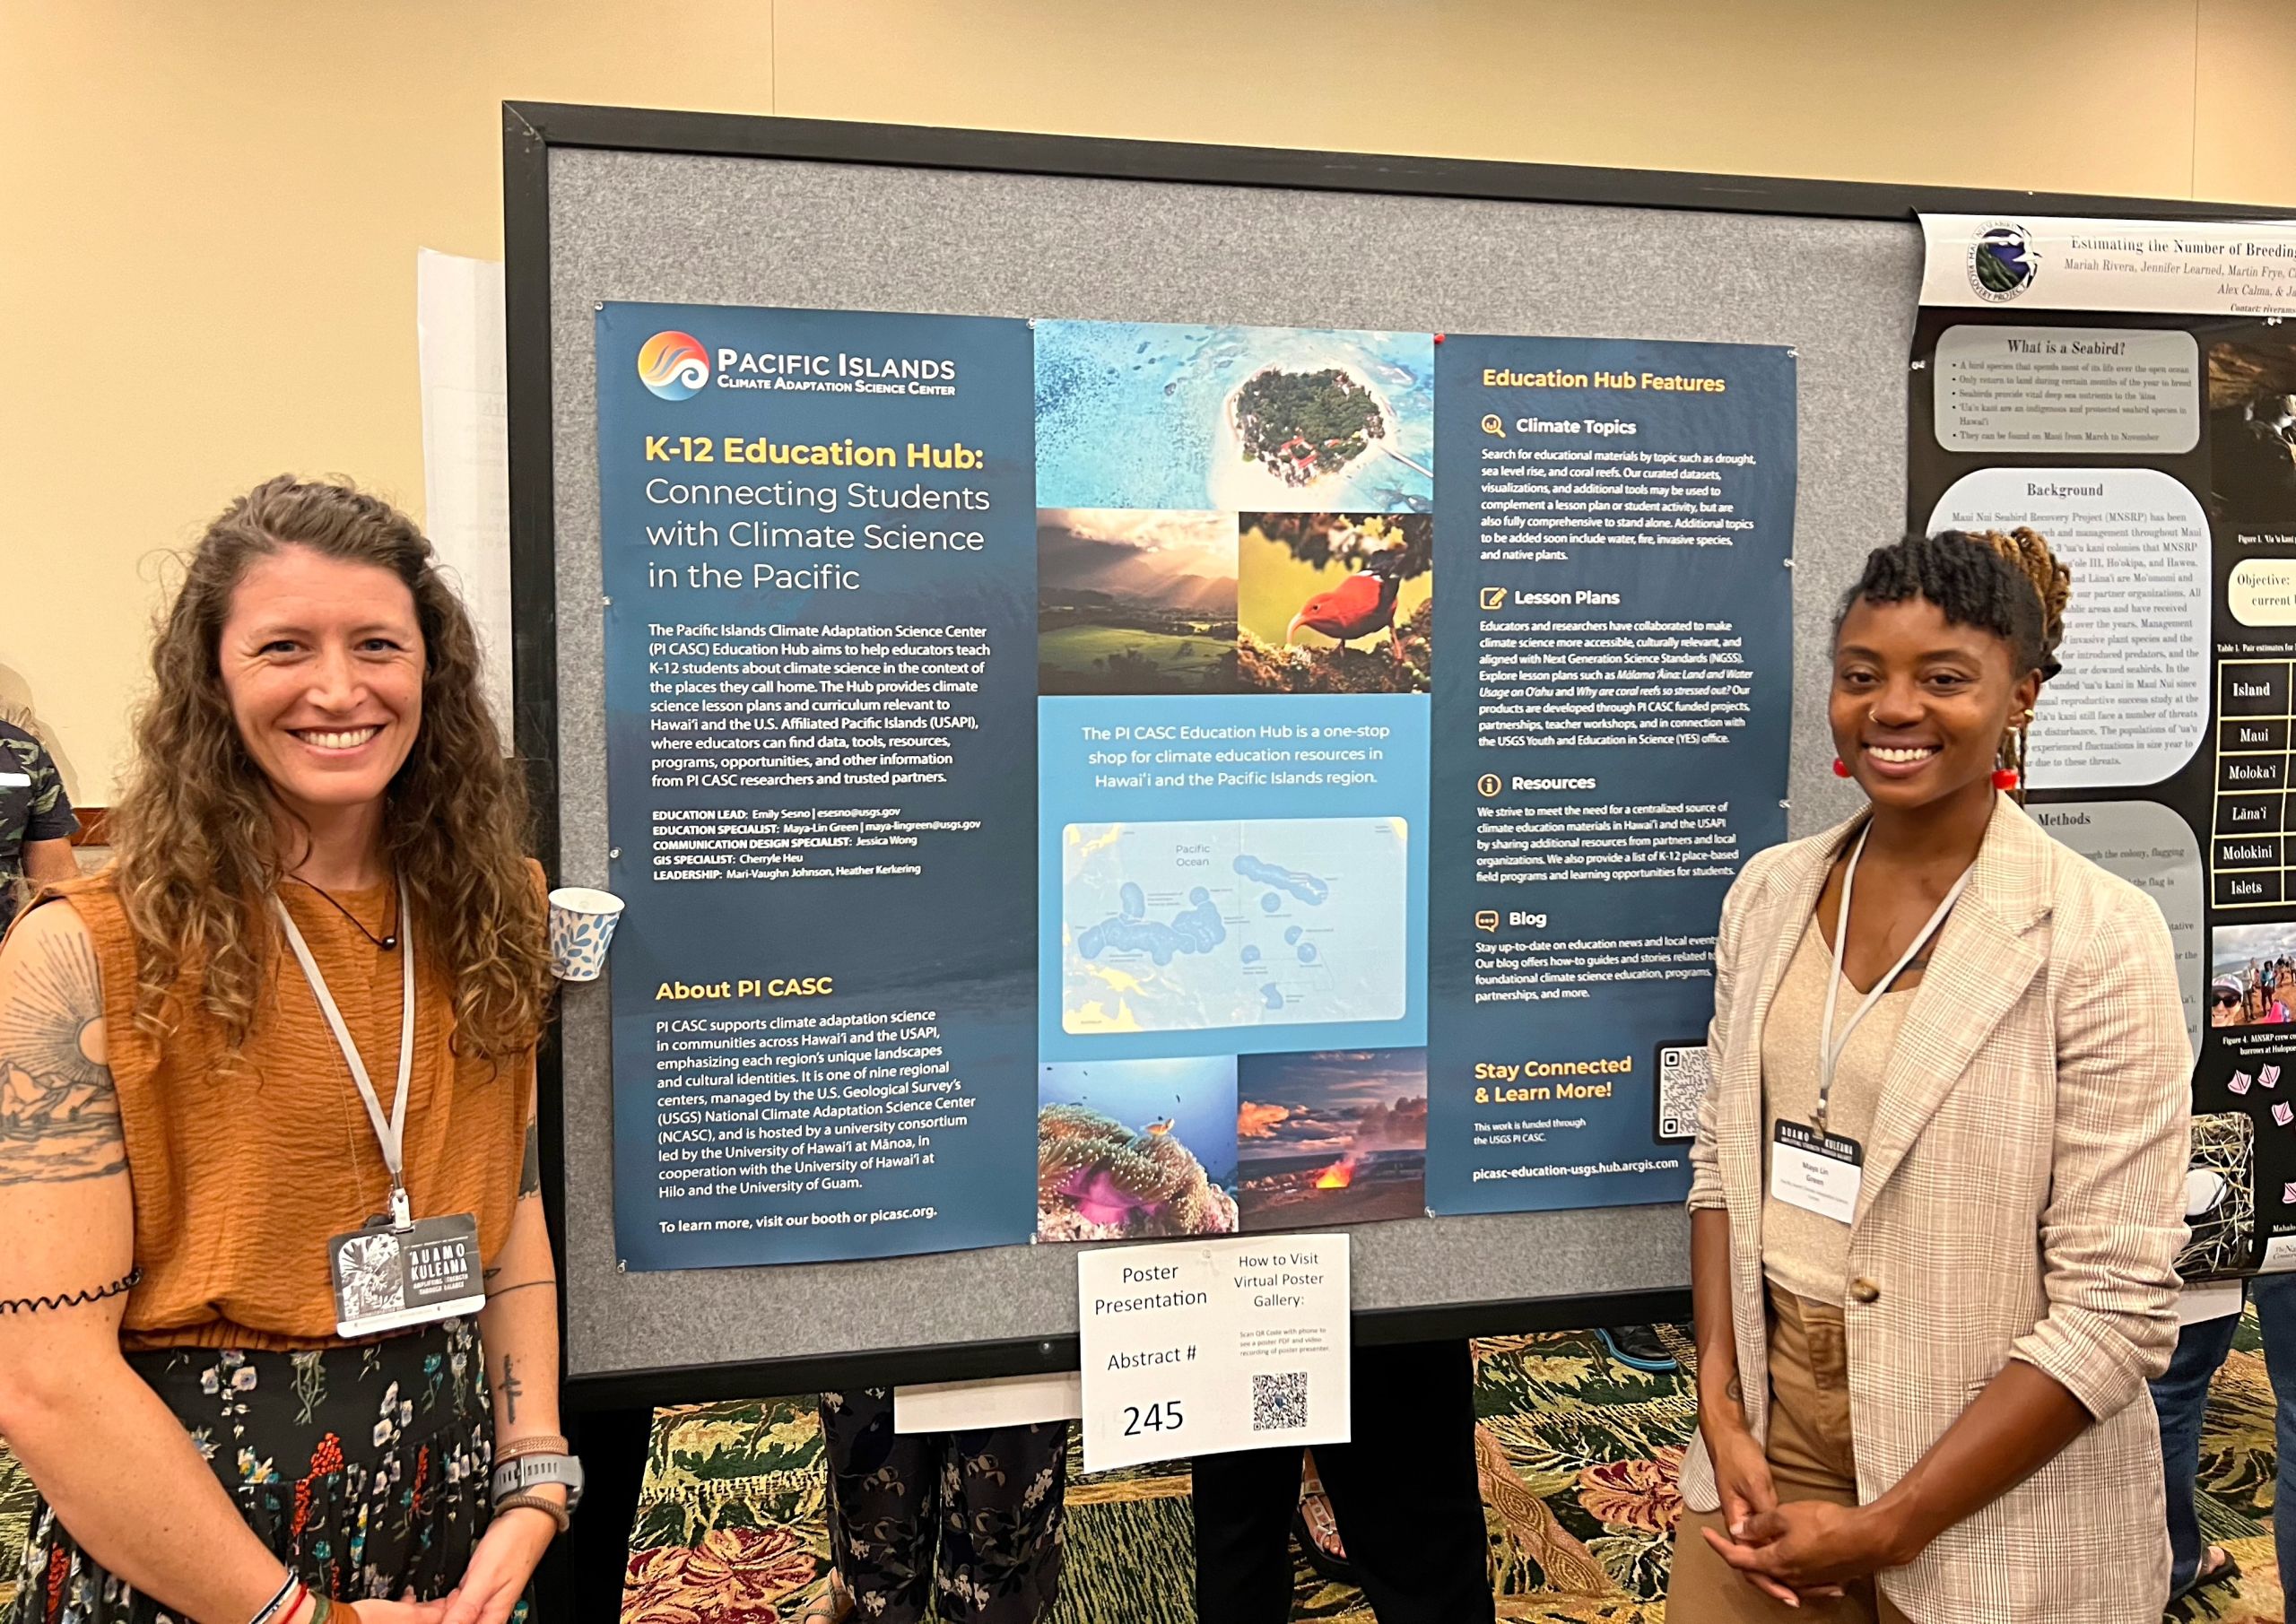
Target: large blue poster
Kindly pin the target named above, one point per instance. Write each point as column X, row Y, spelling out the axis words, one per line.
column 820, row 558
column 1060, row 772
column 1610, row 742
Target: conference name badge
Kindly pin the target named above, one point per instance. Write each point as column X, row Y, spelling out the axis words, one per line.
column 387, row 1278
column 1819, row 1173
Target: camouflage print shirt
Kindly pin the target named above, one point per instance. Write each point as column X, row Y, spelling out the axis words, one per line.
column 32, row 807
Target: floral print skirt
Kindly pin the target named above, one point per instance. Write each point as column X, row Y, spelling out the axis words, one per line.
column 969, row 1524
column 363, row 1468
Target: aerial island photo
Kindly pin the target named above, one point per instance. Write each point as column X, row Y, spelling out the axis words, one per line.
column 1160, row 415
column 1303, row 427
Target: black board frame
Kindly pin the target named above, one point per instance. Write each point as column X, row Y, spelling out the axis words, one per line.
column 609, row 1412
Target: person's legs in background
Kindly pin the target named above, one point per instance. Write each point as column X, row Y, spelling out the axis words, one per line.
column 2180, row 1395
column 884, row 1489
column 2274, row 1296
column 1243, row 1521
column 1003, row 1491
column 1406, row 1488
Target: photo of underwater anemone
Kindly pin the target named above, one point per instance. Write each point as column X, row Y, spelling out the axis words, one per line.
column 1132, row 1149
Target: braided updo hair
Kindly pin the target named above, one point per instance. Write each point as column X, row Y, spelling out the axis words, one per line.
column 2012, row 585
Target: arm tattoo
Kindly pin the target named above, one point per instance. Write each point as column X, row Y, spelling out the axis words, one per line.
column 530, row 1169
column 1738, row 1393
column 72, row 1300
column 59, row 1112
column 509, row 1388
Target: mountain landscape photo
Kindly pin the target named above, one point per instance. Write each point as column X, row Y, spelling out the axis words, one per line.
column 1131, row 602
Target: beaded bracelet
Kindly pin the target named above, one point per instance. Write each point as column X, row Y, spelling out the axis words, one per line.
column 539, row 1503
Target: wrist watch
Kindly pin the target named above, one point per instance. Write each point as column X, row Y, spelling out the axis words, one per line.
column 522, row 1472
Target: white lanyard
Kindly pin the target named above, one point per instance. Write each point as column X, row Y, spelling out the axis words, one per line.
column 390, row 1132
column 1829, row 1050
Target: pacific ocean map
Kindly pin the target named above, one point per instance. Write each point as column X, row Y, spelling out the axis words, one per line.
column 1191, row 926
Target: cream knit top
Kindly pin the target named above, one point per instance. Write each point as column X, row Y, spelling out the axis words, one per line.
column 1801, row 1252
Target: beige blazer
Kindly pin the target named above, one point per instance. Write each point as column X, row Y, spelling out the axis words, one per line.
column 2022, row 1199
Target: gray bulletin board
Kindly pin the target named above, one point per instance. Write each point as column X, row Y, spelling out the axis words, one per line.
column 605, row 204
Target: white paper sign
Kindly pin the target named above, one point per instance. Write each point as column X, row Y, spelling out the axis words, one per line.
column 1000, row 1400
column 1200, row 1347
column 2056, row 263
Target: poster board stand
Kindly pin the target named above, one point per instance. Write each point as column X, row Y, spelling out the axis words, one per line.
column 1830, row 268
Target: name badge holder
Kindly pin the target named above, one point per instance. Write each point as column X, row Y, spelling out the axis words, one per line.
column 396, row 1270
column 1809, row 1168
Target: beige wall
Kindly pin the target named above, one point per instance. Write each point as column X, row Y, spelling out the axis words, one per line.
column 213, row 206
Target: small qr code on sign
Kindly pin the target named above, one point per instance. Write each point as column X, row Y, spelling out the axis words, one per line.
column 1683, row 1072
column 1280, row 1401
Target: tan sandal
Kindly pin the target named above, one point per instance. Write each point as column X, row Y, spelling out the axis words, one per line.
column 1315, row 1526
column 834, row 1607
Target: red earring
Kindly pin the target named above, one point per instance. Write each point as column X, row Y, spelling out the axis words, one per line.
column 2005, row 778
column 1840, row 768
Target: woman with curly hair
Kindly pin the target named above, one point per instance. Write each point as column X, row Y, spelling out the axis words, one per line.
column 277, row 1312
column 1937, row 1186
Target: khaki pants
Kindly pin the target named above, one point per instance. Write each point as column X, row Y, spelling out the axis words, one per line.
column 1810, row 1459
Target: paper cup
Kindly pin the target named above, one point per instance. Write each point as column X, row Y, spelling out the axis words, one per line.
column 581, row 927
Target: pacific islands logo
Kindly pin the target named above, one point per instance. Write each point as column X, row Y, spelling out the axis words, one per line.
column 673, row 365
column 2002, row 263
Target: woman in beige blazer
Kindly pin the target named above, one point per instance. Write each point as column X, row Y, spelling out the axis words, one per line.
column 1932, row 1267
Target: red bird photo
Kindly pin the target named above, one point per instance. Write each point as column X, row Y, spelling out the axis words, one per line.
column 1334, row 602
column 1360, row 606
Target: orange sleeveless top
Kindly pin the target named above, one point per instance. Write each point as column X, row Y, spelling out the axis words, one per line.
column 243, row 1167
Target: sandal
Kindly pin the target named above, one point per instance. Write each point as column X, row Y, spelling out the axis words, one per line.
column 2218, row 1566
column 834, row 1606
column 1316, row 1526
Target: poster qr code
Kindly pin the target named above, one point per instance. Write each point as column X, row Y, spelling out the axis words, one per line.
column 1280, row 1401
column 1683, row 1072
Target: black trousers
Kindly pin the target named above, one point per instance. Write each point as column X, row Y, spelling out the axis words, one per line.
column 1404, row 1491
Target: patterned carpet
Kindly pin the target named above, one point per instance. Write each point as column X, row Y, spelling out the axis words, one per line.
column 1578, row 1456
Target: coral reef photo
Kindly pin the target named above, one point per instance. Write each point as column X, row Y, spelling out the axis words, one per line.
column 1127, row 1149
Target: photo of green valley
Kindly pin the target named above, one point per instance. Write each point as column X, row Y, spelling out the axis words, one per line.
column 1131, row 602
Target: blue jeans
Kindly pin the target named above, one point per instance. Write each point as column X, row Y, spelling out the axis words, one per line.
column 2182, row 1397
